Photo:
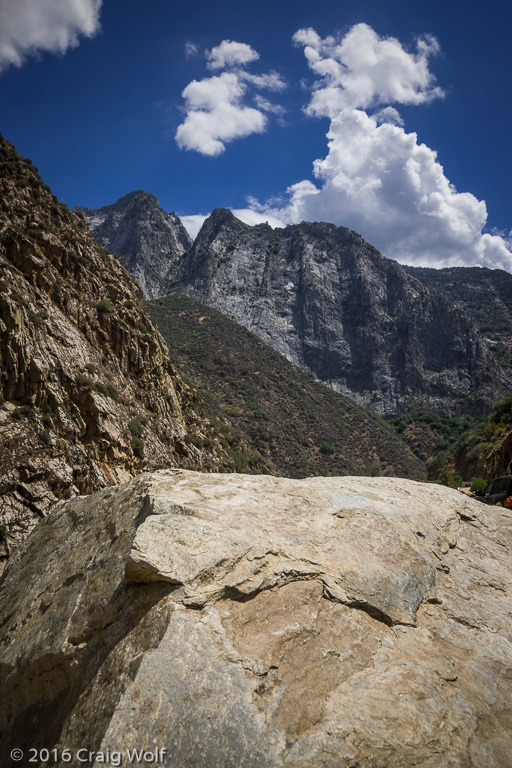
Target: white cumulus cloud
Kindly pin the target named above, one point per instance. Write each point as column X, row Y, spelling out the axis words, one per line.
column 216, row 114
column 379, row 181
column 28, row 27
column 230, row 54
column 376, row 178
column 364, row 70
column 218, row 108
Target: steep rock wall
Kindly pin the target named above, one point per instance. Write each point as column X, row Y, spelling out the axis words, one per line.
column 88, row 395
column 330, row 303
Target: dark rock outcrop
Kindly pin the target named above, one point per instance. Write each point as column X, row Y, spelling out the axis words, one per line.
column 232, row 620
column 484, row 294
column 88, row 395
column 330, row 303
column 144, row 237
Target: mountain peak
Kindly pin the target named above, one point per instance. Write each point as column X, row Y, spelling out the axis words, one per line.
column 332, row 304
column 146, row 239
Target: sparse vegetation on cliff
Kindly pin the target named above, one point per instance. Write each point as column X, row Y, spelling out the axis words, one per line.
column 292, row 424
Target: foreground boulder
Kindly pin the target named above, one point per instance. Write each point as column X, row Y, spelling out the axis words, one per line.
column 232, row 620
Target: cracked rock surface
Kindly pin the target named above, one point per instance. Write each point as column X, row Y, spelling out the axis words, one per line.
column 258, row 621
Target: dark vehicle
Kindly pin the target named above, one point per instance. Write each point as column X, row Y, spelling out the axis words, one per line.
column 498, row 492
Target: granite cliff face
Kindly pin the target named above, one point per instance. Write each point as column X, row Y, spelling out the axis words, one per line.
column 88, row 395
column 252, row 621
column 144, row 237
column 330, row 303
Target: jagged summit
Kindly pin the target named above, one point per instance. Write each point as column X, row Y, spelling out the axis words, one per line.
column 329, row 301
column 145, row 238
column 332, row 304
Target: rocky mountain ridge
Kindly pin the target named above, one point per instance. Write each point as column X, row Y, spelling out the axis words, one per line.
column 330, row 303
column 484, row 294
column 88, row 394
column 144, row 237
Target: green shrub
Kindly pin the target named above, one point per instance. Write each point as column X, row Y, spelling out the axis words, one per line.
column 371, row 468
column 453, row 481
column 108, row 390
column 104, row 389
column 143, row 328
column 34, row 318
column 194, row 440
column 4, row 532
column 478, row 484
column 135, row 428
column 105, row 305
column 83, row 381
column 47, row 420
column 240, row 461
column 138, row 447
column 327, row 449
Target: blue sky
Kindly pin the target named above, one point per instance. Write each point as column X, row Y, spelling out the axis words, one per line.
column 99, row 107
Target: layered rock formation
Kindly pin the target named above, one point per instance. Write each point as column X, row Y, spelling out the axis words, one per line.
column 321, row 296
column 330, row 303
column 88, row 395
column 254, row 621
column 143, row 236
column 484, row 294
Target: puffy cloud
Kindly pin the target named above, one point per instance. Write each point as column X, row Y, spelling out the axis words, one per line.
column 215, row 114
column 365, row 70
column 193, row 223
column 379, row 181
column 30, row 26
column 216, row 107
column 389, row 115
column 376, row 178
column 230, row 54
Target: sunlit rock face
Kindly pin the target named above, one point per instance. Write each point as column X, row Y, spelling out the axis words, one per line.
column 320, row 295
column 82, row 366
column 235, row 620
column 330, row 303
column 145, row 238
